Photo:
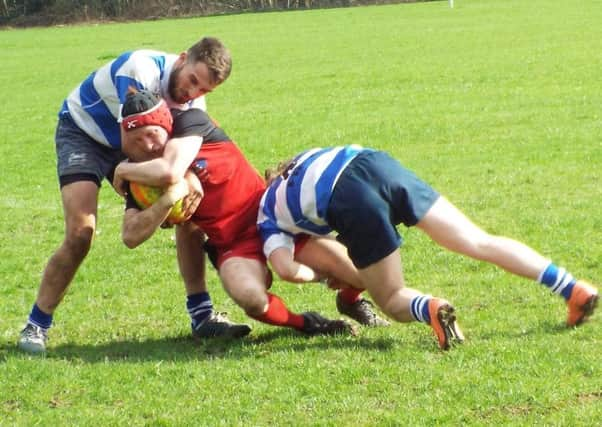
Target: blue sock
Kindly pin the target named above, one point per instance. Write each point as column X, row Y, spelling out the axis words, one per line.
column 558, row 280
column 199, row 308
column 39, row 318
column 419, row 307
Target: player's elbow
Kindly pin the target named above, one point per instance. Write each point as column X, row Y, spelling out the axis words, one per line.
column 286, row 271
column 130, row 239
column 167, row 177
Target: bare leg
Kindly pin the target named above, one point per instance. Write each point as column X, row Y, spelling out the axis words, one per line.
column 245, row 280
column 80, row 200
column 191, row 257
column 384, row 281
column 450, row 228
column 329, row 257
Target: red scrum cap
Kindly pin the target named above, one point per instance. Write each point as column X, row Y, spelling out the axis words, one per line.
column 142, row 108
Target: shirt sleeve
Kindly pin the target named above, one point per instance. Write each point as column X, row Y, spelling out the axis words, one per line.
column 274, row 238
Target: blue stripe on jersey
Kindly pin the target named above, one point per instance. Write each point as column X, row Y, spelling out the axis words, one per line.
column 98, row 110
column 123, row 83
column 87, row 92
column 293, row 196
column 269, row 206
column 160, row 61
column 325, row 183
column 117, row 63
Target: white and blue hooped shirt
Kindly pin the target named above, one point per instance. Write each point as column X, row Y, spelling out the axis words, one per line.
column 95, row 104
column 297, row 201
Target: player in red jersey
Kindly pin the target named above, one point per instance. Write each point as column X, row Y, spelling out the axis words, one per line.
column 227, row 215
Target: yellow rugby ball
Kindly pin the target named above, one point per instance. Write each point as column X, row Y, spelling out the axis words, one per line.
column 145, row 196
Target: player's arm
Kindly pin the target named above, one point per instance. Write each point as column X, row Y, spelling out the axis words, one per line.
column 278, row 248
column 189, row 129
column 283, row 263
column 139, row 225
column 166, row 170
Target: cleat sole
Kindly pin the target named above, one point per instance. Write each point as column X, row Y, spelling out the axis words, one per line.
column 447, row 319
column 588, row 309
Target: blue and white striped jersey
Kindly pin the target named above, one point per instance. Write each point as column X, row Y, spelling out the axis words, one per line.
column 95, row 105
column 297, row 201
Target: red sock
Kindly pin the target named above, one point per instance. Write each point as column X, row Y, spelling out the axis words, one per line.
column 277, row 314
column 350, row 295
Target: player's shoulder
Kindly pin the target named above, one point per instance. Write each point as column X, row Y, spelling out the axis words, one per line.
column 193, row 121
column 153, row 59
column 191, row 115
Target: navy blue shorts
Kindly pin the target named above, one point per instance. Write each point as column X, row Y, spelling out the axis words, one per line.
column 373, row 195
column 79, row 157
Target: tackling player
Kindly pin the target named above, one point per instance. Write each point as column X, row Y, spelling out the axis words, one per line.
column 363, row 194
column 88, row 147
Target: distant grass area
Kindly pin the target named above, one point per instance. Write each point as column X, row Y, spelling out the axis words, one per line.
column 496, row 104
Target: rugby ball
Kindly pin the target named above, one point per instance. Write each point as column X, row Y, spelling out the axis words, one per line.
column 145, row 196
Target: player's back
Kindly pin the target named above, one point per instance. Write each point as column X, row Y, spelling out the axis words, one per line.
column 233, row 189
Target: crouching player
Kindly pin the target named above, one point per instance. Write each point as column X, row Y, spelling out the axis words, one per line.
column 227, row 213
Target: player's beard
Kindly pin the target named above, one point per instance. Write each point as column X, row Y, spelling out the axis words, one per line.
column 172, row 87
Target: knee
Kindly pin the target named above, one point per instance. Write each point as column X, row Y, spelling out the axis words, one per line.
column 252, row 299
column 255, row 303
column 78, row 242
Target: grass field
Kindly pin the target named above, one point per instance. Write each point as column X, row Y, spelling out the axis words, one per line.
column 496, row 104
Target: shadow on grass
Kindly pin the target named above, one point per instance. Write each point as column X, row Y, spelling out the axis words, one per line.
column 546, row 327
column 184, row 348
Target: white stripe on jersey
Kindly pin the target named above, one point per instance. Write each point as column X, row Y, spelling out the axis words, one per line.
column 297, row 203
column 95, row 104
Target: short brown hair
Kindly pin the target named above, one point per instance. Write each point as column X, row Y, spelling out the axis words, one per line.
column 271, row 174
column 212, row 52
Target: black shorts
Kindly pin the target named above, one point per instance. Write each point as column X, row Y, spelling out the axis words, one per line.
column 372, row 196
column 79, row 157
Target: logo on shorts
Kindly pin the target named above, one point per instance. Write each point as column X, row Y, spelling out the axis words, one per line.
column 76, row 159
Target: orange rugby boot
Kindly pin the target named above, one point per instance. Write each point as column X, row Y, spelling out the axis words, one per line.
column 582, row 303
column 443, row 322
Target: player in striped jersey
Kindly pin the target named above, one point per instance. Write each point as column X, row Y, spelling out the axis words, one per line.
column 88, row 146
column 363, row 194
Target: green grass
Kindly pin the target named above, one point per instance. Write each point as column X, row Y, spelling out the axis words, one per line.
column 496, row 104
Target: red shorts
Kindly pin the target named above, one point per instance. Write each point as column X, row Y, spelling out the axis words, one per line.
column 300, row 241
column 248, row 245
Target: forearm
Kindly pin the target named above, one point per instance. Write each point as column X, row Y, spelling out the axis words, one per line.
column 290, row 270
column 301, row 273
column 139, row 226
column 166, row 170
column 156, row 172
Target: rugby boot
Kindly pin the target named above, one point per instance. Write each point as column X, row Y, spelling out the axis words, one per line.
column 315, row 324
column 218, row 325
column 443, row 322
column 33, row 339
column 582, row 303
column 361, row 311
